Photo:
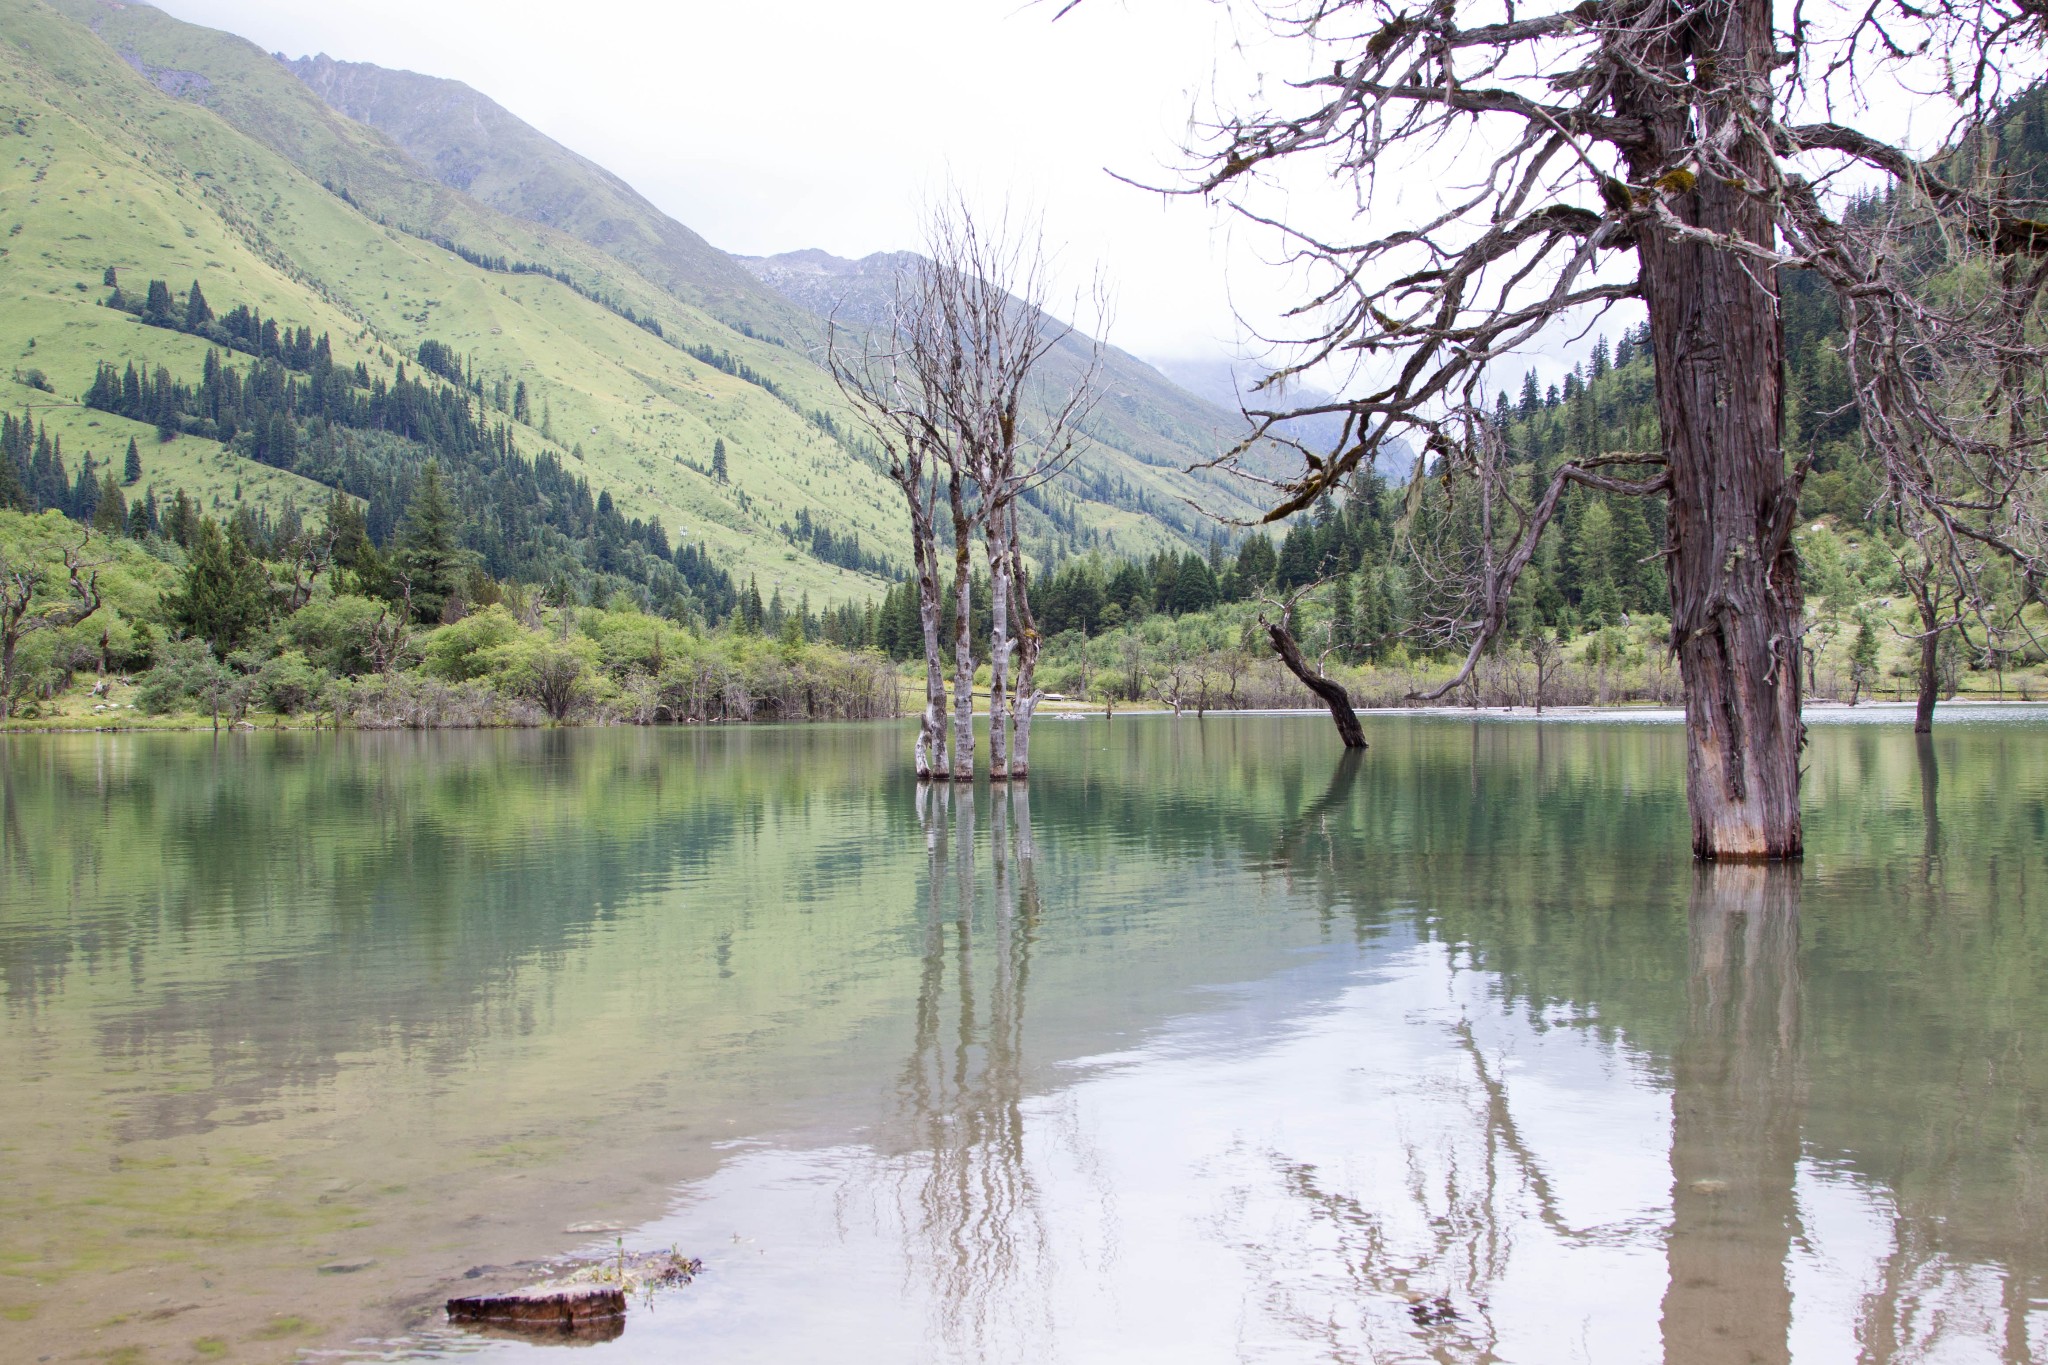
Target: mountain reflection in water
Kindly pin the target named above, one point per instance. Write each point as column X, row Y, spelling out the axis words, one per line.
column 1209, row 1044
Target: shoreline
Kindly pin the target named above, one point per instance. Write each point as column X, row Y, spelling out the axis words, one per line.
column 1065, row 711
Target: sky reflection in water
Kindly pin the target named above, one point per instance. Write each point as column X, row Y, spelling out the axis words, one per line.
column 1214, row 1046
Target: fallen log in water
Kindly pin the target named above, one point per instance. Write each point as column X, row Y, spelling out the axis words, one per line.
column 580, row 1309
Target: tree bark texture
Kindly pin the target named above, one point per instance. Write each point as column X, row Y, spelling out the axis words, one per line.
column 1028, row 642
column 931, row 731
column 1719, row 344
column 1930, row 683
column 963, row 637
column 1924, row 597
column 1332, row 692
column 996, row 539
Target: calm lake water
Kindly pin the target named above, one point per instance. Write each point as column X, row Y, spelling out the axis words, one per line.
column 1214, row 1046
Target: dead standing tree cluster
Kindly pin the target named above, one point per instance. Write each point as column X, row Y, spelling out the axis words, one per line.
column 1699, row 139
column 956, row 389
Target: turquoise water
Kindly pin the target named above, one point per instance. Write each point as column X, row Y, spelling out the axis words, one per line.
column 1214, row 1045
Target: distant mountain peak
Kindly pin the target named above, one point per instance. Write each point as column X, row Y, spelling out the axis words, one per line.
column 470, row 142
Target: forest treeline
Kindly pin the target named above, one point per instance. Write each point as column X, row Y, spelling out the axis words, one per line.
column 448, row 579
column 289, row 619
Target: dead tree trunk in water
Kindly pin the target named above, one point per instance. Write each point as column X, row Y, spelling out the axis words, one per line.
column 995, row 536
column 1664, row 129
column 1937, row 615
column 931, row 729
column 879, row 378
column 963, row 634
column 1329, row 689
column 1720, row 375
column 1028, row 642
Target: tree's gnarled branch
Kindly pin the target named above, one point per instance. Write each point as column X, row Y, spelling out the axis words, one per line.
column 1558, row 143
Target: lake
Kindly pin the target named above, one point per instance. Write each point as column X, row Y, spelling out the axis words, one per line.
column 1211, row 1045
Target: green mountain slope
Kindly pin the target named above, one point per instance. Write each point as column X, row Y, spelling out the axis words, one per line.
column 110, row 171
column 1149, row 430
column 166, row 151
column 1146, row 430
column 471, row 143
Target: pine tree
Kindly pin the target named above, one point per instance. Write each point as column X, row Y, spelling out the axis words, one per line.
column 110, row 512
column 197, row 314
column 225, row 594
column 159, row 311
column 131, row 470
column 183, row 525
column 718, row 470
column 1862, row 657
column 428, row 556
column 1593, row 555
column 1343, row 620
column 751, row 613
column 84, row 498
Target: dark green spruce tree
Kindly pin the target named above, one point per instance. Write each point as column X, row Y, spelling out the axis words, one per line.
column 429, row 560
column 226, row 595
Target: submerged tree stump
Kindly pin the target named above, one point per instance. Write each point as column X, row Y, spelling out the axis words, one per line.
column 578, row 1309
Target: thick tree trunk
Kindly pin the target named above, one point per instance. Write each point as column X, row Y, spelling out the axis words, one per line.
column 1930, row 683
column 1735, row 598
column 1332, row 692
column 963, row 639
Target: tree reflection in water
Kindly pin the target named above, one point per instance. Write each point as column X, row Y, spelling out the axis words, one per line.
column 1737, row 1101
column 971, row 1209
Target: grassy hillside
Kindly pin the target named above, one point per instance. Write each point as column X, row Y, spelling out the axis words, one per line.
column 1148, row 430
column 471, row 143
column 108, row 171
column 446, row 162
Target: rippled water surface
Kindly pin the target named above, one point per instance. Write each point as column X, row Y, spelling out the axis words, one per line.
column 1215, row 1045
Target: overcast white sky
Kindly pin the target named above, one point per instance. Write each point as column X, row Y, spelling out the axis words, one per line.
column 769, row 127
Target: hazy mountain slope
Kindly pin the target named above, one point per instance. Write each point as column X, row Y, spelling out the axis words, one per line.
column 122, row 174
column 471, row 143
column 1146, row 428
column 468, row 141
column 275, row 200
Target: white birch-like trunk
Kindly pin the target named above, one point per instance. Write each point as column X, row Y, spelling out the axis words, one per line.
column 931, row 729
column 1026, row 704
column 1001, row 530
column 963, row 640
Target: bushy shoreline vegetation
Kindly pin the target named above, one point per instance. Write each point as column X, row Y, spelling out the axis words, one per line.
column 292, row 625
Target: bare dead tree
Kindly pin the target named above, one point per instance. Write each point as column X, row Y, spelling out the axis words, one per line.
column 878, row 374
column 21, row 617
column 1279, row 628
column 955, row 389
column 1016, row 426
column 1943, row 602
column 1702, row 138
